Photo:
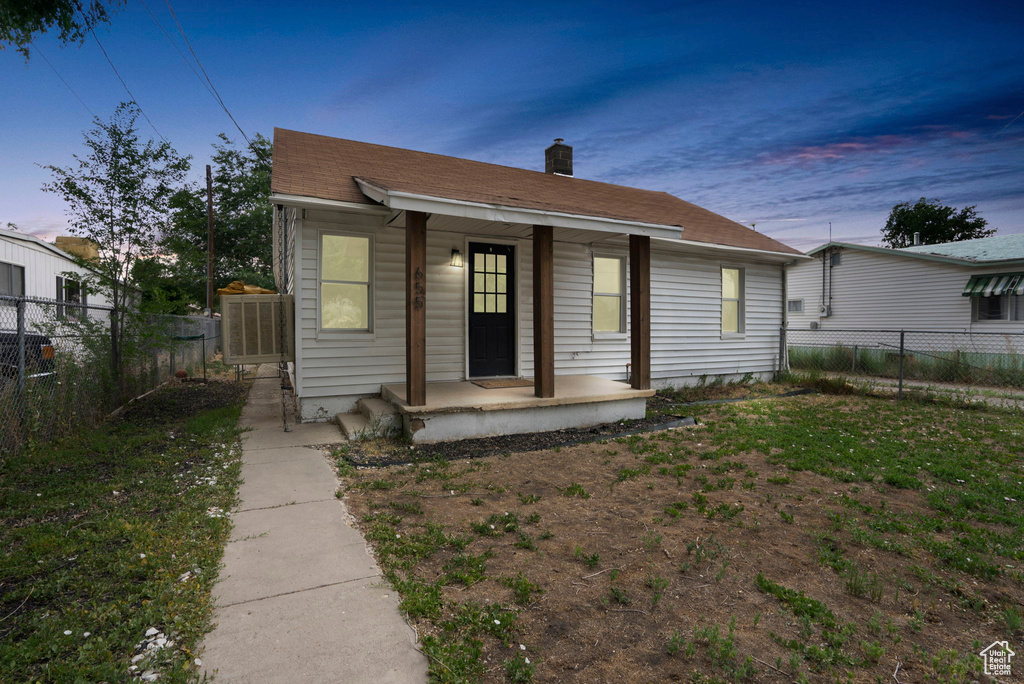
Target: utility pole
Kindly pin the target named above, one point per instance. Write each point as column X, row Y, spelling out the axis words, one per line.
column 209, row 241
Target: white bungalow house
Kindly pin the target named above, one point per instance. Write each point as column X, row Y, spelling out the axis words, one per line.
column 973, row 286
column 474, row 299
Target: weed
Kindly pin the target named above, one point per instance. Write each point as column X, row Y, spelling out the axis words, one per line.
column 620, row 596
column 651, row 540
column 575, row 489
column 519, row 669
column 527, row 499
column 546, row 534
column 532, row 519
column 525, row 541
column 591, row 560
column 522, row 588
column 786, row 517
column 411, row 508
column 657, row 585
column 1012, row 618
column 477, row 502
column 466, row 570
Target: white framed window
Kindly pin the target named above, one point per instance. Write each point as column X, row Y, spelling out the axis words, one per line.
column 732, row 300
column 795, row 306
column 609, row 294
column 12, row 281
column 346, row 277
column 71, row 292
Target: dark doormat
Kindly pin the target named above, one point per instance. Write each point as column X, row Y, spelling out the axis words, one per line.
column 503, row 383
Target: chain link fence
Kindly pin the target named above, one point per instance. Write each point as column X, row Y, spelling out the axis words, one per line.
column 978, row 359
column 57, row 363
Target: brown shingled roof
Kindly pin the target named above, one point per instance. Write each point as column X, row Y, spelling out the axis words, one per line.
column 318, row 166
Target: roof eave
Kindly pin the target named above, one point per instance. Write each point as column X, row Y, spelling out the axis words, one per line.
column 306, row 202
column 781, row 257
column 407, row 201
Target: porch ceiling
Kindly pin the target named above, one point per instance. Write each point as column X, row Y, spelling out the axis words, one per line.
column 458, row 397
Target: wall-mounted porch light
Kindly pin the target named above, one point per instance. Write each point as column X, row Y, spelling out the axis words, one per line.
column 457, row 258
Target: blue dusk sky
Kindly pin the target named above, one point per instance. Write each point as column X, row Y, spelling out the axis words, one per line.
column 786, row 115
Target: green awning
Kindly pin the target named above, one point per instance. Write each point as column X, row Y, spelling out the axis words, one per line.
column 994, row 285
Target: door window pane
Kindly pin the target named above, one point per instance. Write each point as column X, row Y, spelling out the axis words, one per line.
column 501, row 267
column 502, row 304
column 346, row 257
column 478, row 303
column 501, row 283
column 490, row 282
column 478, row 282
column 491, row 304
column 490, row 263
column 478, row 262
column 607, row 314
column 344, row 305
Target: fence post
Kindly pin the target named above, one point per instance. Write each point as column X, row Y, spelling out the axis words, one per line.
column 853, row 366
column 783, row 365
column 899, row 393
column 21, row 349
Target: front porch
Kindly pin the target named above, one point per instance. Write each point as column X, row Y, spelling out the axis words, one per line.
column 458, row 410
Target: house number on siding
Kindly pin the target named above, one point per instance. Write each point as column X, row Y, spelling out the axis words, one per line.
column 420, row 290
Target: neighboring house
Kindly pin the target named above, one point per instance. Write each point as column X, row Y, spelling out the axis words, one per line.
column 418, row 275
column 972, row 286
column 31, row 267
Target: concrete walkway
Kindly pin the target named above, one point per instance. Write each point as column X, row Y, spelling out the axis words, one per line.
column 300, row 598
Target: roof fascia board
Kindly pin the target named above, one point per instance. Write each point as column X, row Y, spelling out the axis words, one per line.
column 304, row 202
column 915, row 255
column 504, row 214
column 784, row 257
column 32, row 239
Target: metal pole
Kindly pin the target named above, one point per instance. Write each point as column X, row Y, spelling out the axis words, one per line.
column 853, row 366
column 209, row 240
column 204, row 355
column 899, row 393
column 21, row 349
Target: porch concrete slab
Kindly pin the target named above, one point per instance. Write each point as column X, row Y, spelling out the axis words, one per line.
column 345, row 633
column 277, row 483
column 279, row 550
column 445, row 397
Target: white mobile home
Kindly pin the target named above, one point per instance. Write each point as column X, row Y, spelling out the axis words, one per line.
column 31, row 267
column 479, row 299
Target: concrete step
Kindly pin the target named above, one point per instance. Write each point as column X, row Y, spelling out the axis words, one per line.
column 372, row 418
column 354, row 426
column 383, row 417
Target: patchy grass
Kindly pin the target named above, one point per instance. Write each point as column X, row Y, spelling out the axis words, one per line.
column 810, row 539
column 114, row 532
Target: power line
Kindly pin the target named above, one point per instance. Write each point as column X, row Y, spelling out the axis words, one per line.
column 80, row 100
column 216, row 94
column 171, row 41
column 127, row 90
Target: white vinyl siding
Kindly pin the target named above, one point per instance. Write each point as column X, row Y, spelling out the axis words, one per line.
column 686, row 339
column 882, row 291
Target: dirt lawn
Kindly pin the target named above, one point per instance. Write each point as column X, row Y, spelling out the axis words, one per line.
column 813, row 538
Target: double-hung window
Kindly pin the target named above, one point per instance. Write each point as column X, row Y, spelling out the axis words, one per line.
column 609, row 291
column 732, row 300
column 70, row 292
column 346, row 293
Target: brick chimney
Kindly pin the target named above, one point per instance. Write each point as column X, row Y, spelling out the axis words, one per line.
column 558, row 159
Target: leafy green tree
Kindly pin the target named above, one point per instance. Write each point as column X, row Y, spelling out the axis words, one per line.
column 21, row 20
column 935, row 222
column 118, row 196
column 242, row 216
